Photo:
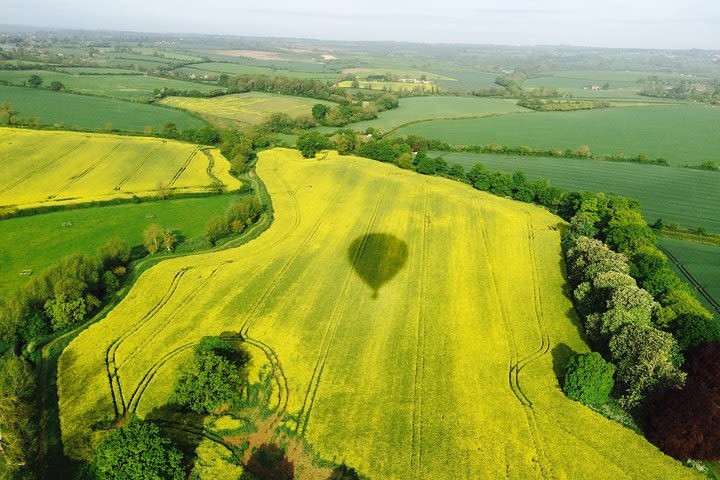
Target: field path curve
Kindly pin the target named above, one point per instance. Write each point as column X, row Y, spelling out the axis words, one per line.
column 407, row 321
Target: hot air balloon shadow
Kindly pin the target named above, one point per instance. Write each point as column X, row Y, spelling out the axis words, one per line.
column 377, row 258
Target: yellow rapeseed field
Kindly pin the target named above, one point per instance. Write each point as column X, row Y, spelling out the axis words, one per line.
column 245, row 108
column 42, row 168
column 414, row 326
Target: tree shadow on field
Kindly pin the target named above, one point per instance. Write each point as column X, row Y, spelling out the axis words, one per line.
column 185, row 429
column 377, row 258
column 269, row 462
column 561, row 353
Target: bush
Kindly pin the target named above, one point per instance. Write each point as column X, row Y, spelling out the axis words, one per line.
column 111, row 281
column 114, row 253
column 589, row 379
column 138, row 451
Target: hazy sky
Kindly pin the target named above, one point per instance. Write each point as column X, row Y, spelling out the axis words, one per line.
column 611, row 23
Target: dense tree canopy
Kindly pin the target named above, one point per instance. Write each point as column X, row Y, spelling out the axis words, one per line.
column 589, row 378
column 138, row 452
column 214, row 376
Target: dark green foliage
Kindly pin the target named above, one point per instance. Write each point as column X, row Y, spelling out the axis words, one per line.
column 214, row 376
column 239, row 216
column 310, row 143
column 114, row 253
column 457, row 171
column 111, row 281
column 17, row 428
column 383, row 150
column 138, row 452
column 589, row 379
column 320, row 111
column 427, row 166
column 693, row 330
column 35, row 81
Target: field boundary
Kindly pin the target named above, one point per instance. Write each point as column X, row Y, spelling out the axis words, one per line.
column 693, row 281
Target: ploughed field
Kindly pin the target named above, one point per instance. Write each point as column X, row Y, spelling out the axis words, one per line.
column 44, row 168
column 413, row 327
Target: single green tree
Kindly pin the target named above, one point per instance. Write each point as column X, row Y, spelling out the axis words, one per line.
column 589, row 379
column 320, row 111
column 35, row 81
column 138, row 452
column 57, row 86
column 214, row 376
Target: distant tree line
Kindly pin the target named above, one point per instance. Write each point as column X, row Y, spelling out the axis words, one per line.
column 639, row 316
column 706, row 92
column 541, row 105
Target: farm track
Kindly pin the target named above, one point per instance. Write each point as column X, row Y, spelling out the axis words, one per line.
column 416, row 454
column 335, row 319
column 42, row 167
column 544, row 337
column 211, row 166
column 693, row 281
column 183, row 167
column 267, row 293
column 166, row 322
column 82, row 174
column 137, row 168
column 110, row 361
column 513, row 374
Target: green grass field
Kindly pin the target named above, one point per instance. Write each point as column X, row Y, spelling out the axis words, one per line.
column 45, row 168
column 682, row 134
column 213, row 69
column 425, row 344
column 391, row 86
column 663, row 191
column 38, row 241
column 363, row 73
column 414, row 109
column 244, row 108
column 94, row 113
column 127, row 87
column 703, row 263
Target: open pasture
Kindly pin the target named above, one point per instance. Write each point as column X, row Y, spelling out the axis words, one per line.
column 414, row 109
column 92, row 113
column 127, row 87
column 391, row 86
column 244, row 108
column 38, row 241
column 662, row 191
column 44, row 168
column 701, row 262
column 432, row 319
column 202, row 71
column 683, row 134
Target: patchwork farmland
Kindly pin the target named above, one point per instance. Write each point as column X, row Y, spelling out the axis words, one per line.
column 245, row 108
column 44, row 168
column 434, row 309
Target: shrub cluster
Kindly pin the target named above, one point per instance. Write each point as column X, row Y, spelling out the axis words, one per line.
column 239, row 216
column 63, row 295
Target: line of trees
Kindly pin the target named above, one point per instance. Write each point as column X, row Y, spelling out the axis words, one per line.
column 541, row 105
column 239, row 216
